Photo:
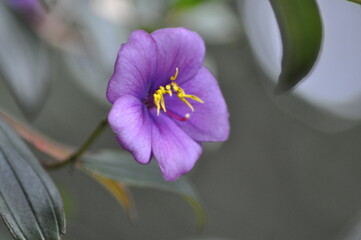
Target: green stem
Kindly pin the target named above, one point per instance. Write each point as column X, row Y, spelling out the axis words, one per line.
column 82, row 149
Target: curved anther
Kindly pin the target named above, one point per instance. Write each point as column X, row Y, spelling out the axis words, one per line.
column 174, row 77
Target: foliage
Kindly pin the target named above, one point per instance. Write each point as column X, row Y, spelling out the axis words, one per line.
column 29, row 201
column 301, row 30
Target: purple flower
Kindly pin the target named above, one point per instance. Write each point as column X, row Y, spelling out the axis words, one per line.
column 30, row 8
column 165, row 102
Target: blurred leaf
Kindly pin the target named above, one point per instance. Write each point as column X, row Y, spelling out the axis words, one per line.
column 215, row 21
column 301, row 31
column 121, row 167
column 42, row 143
column 355, row 1
column 5, row 235
column 69, row 204
column 24, row 64
column 29, row 202
column 89, row 75
column 182, row 4
column 119, row 191
column 93, row 68
column 48, row 3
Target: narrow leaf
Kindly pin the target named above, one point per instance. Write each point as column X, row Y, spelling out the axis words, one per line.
column 355, row 1
column 29, row 202
column 120, row 192
column 301, row 32
column 24, row 64
column 43, row 143
column 121, row 167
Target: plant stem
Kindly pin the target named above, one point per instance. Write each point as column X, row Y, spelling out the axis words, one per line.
column 82, row 149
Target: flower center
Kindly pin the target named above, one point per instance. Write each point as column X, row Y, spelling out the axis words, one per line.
column 170, row 89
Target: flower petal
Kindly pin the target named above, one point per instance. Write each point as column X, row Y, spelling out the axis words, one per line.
column 177, row 48
column 174, row 150
column 134, row 68
column 210, row 120
column 130, row 120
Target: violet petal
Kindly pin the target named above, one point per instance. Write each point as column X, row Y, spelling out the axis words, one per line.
column 134, row 68
column 130, row 120
column 210, row 120
column 177, row 48
column 30, row 8
column 174, row 150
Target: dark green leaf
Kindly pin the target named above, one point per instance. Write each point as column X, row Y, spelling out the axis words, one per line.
column 355, row 1
column 29, row 202
column 24, row 63
column 121, row 166
column 4, row 233
column 301, row 31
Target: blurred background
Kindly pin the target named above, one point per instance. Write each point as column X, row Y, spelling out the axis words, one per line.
column 291, row 168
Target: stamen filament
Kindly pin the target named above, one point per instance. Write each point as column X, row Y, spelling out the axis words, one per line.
column 175, row 116
column 159, row 96
column 162, row 102
column 156, row 102
column 185, row 101
column 194, row 98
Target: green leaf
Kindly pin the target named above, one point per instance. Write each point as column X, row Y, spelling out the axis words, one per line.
column 29, row 201
column 185, row 4
column 355, row 1
column 120, row 193
column 24, row 63
column 301, row 32
column 121, row 167
column 4, row 233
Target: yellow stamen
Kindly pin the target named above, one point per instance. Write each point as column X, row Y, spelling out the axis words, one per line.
column 174, row 77
column 194, row 98
column 181, row 97
column 156, row 102
column 169, row 89
column 159, row 94
column 162, row 103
